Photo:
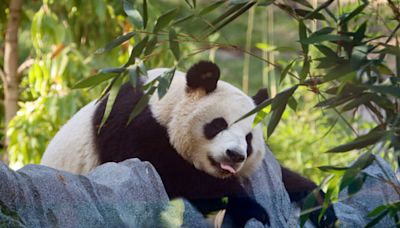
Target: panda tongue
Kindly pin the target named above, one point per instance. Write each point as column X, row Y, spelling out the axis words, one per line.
column 227, row 168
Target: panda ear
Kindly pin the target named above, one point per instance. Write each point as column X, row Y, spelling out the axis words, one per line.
column 203, row 75
column 261, row 96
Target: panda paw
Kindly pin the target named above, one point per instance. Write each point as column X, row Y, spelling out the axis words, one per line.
column 241, row 209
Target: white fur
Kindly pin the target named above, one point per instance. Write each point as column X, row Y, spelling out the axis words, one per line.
column 72, row 148
column 184, row 114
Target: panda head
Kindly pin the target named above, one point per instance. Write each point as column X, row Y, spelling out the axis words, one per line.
column 201, row 114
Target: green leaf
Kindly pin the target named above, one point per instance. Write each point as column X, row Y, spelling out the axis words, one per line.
column 278, row 107
column 183, row 19
column 292, row 103
column 377, row 211
column 315, row 38
column 133, row 14
column 333, row 169
column 338, row 72
column 354, row 13
column 377, row 219
column 305, row 70
column 360, row 33
column 145, row 14
column 151, row 45
column 173, row 43
column 325, row 30
column 210, row 7
column 116, row 42
column 327, row 51
column 164, row 81
column 357, row 184
column 137, row 51
column 391, row 90
column 110, row 102
column 303, row 36
column 93, row 80
column 133, row 75
column 304, row 3
column 257, row 109
column 232, row 17
column 286, row 70
column 164, row 20
column 141, row 105
column 360, row 142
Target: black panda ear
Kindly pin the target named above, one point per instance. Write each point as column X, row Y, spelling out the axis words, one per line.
column 204, row 75
column 261, row 96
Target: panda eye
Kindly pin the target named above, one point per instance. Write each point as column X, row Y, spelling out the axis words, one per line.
column 214, row 127
column 249, row 137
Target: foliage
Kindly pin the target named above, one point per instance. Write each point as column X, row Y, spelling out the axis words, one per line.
column 339, row 61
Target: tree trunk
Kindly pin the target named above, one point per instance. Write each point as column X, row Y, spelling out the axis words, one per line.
column 11, row 80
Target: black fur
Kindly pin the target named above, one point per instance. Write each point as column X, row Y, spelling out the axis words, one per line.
column 298, row 188
column 214, row 127
column 146, row 139
column 249, row 151
column 260, row 96
column 203, row 75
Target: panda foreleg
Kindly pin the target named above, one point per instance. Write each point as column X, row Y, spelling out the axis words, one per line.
column 298, row 188
column 241, row 209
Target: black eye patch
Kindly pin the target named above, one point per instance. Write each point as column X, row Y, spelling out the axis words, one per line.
column 214, row 127
column 249, row 151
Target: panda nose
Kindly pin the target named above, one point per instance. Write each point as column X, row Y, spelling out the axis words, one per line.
column 235, row 156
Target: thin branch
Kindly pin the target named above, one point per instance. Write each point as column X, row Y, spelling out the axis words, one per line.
column 25, row 65
column 2, row 75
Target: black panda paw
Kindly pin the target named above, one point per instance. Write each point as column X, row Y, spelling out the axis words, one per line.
column 328, row 219
column 241, row 209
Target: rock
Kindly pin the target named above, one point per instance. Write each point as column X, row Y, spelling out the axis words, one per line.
column 376, row 190
column 267, row 188
column 128, row 194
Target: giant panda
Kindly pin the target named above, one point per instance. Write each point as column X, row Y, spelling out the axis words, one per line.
column 190, row 136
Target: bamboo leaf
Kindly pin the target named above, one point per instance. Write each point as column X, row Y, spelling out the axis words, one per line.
column 377, row 219
column 258, row 108
column 116, row 42
column 389, row 89
column 164, row 20
column 278, row 107
column 313, row 39
column 327, row 51
column 173, row 43
column 141, row 105
column 137, row 51
column 333, row 169
column 211, row 7
column 231, row 18
column 354, row 13
column 304, row 3
column 110, row 102
column 303, row 36
column 286, row 71
column 133, row 14
column 145, row 14
column 151, row 45
column 377, row 211
column 93, row 80
column 164, row 82
column 360, row 142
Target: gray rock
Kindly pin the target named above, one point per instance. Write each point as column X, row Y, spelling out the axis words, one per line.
column 128, row 194
column 267, row 188
column 352, row 211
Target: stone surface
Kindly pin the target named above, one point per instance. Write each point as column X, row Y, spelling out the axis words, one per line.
column 130, row 194
column 353, row 211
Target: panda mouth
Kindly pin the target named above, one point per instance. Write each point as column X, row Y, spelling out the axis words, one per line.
column 224, row 167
